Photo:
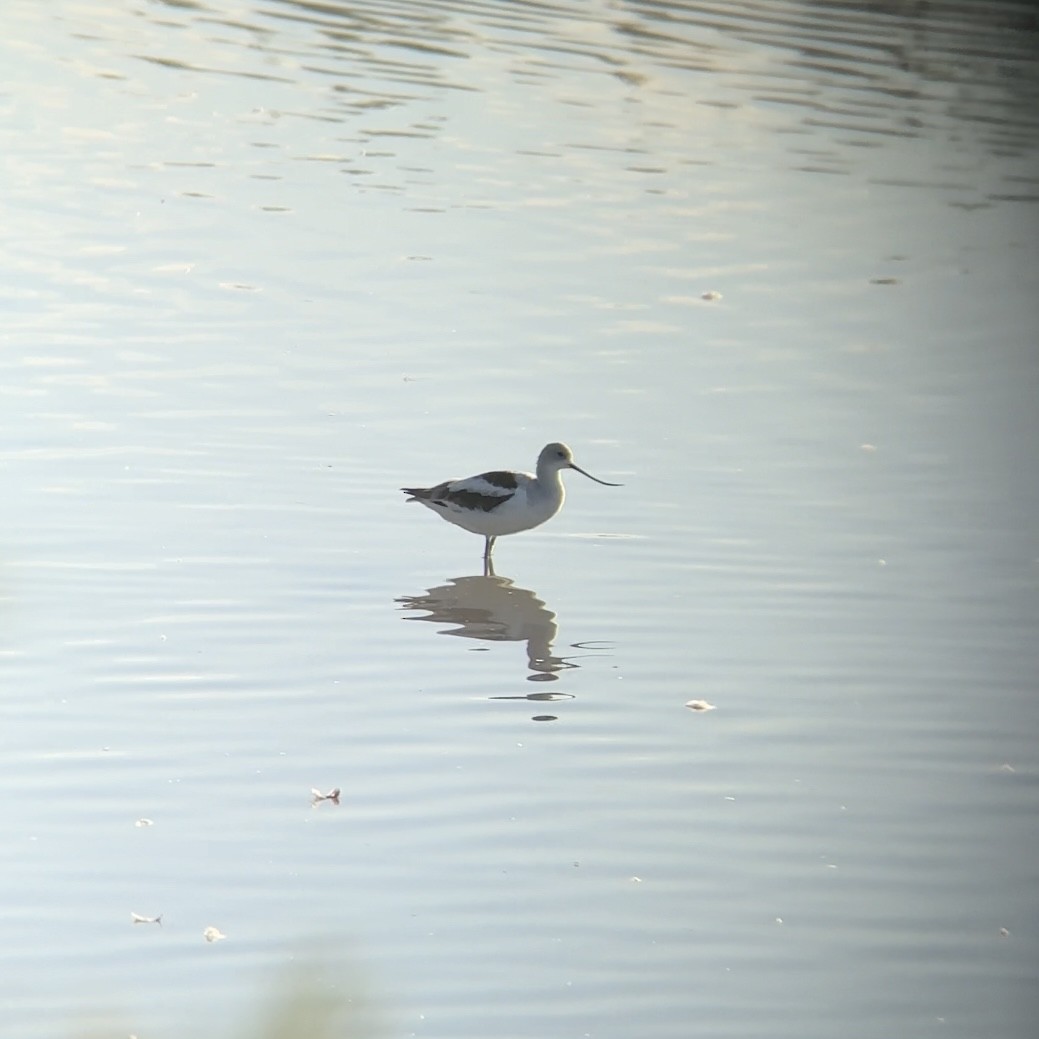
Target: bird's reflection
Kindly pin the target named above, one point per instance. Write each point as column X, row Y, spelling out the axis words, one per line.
column 493, row 609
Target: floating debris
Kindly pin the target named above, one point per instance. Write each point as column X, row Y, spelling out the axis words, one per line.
column 136, row 918
column 710, row 295
column 333, row 795
column 1004, row 933
column 144, row 822
column 700, row 705
column 213, row 934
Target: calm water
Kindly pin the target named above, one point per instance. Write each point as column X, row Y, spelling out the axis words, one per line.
column 773, row 266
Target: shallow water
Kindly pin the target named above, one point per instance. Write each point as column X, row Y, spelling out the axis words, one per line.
column 771, row 266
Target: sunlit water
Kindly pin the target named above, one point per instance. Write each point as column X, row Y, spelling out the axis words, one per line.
column 772, row 266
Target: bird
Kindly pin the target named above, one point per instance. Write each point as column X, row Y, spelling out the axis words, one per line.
column 503, row 502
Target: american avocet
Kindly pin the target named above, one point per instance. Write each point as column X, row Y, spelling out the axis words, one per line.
column 493, row 504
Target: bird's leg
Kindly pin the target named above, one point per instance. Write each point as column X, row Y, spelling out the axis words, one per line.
column 488, row 547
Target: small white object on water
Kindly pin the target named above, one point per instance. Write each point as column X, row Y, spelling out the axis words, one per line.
column 333, row 795
column 213, row 934
column 700, row 705
column 143, row 822
column 136, row 918
column 497, row 503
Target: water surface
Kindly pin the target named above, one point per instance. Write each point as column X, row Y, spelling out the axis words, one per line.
column 771, row 266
